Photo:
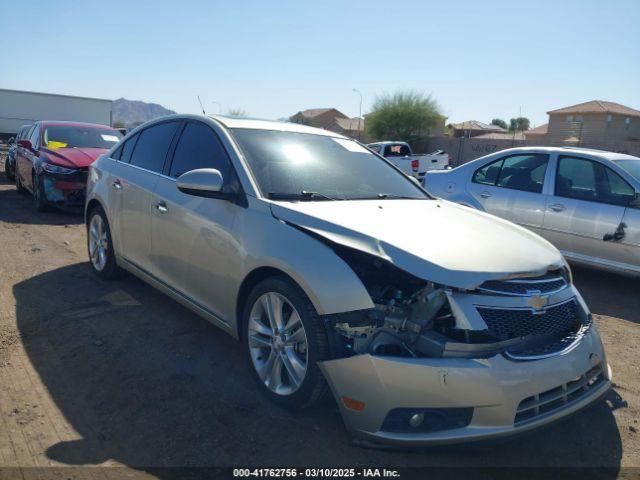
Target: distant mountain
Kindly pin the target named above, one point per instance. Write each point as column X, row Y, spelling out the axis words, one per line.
column 134, row 112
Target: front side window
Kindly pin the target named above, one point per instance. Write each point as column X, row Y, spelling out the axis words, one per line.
column 285, row 164
column 199, row 147
column 72, row 136
column 584, row 179
column 152, row 146
column 33, row 135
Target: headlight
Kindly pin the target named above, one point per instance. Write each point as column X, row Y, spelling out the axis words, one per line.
column 51, row 168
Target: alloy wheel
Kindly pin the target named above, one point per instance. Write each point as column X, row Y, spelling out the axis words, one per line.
column 278, row 343
column 98, row 243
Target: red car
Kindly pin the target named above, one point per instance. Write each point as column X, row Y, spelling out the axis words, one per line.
column 53, row 160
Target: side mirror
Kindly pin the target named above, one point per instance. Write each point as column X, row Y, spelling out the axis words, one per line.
column 635, row 203
column 203, row 182
column 25, row 144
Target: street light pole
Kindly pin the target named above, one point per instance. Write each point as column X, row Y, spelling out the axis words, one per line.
column 359, row 114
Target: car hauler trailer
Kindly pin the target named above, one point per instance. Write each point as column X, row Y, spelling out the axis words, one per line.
column 19, row 108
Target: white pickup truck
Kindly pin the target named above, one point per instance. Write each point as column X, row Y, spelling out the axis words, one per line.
column 400, row 154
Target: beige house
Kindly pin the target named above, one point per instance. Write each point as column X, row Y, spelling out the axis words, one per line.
column 474, row 128
column 593, row 123
column 538, row 134
column 351, row 127
column 318, row 117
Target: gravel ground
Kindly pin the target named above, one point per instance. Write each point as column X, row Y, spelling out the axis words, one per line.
column 117, row 374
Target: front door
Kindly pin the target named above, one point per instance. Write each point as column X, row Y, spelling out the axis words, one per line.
column 586, row 208
column 194, row 247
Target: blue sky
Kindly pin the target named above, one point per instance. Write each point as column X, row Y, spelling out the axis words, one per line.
column 271, row 58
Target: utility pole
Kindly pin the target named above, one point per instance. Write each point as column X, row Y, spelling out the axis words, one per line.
column 359, row 114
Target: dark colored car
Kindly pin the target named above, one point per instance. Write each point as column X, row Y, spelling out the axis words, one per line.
column 52, row 162
column 9, row 162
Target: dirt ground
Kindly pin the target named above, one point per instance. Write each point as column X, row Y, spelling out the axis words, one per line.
column 117, row 374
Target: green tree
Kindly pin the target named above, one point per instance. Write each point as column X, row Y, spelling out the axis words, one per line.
column 404, row 115
column 499, row 122
column 237, row 112
column 520, row 124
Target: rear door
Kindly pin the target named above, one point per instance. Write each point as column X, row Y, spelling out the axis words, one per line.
column 588, row 203
column 137, row 180
column 511, row 187
column 25, row 157
column 193, row 245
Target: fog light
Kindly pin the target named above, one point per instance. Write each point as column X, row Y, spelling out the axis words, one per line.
column 416, row 420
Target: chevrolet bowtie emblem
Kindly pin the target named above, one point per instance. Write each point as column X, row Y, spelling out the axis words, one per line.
column 538, row 302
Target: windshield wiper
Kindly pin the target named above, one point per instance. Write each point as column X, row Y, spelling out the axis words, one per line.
column 304, row 195
column 401, row 197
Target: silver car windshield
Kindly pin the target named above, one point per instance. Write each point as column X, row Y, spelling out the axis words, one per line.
column 302, row 166
column 631, row 166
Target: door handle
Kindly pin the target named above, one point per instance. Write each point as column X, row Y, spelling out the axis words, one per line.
column 485, row 195
column 162, row 207
column 116, row 184
column 557, row 207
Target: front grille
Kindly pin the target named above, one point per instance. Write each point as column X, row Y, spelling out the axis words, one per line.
column 557, row 398
column 505, row 324
column 549, row 283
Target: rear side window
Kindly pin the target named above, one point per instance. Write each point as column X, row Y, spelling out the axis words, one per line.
column 517, row 172
column 199, row 147
column 375, row 148
column 127, row 149
column 396, row 151
column 152, row 146
column 488, row 175
column 524, row 172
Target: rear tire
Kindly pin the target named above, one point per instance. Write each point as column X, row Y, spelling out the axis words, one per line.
column 283, row 348
column 100, row 246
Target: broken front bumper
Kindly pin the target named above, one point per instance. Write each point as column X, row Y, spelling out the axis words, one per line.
column 65, row 190
column 419, row 401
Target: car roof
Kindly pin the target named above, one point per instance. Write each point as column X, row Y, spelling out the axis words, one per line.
column 73, row 124
column 388, row 142
column 236, row 122
column 568, row 150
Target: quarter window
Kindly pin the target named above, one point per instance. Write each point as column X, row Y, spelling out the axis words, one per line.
column 127, row 148
column 584, row 179
column 152, row 146
column 488, row 175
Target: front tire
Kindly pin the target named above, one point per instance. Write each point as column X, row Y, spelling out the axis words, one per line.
column 8, row 171
column 39, row 196
column 284, row 341
column 100, row 246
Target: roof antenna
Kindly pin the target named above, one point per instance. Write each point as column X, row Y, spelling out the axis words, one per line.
column 201, row 106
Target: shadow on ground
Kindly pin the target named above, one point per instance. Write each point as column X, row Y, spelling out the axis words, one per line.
column 609, row 294
column 149, row 384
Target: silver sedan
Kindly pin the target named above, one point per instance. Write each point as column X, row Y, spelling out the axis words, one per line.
column 585, row 202
column 303, row 244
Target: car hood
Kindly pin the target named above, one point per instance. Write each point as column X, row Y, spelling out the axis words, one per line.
column 74, row 157
column 432, row 239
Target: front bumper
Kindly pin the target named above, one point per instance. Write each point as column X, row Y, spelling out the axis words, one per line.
column 495, row 388
column 65, row 190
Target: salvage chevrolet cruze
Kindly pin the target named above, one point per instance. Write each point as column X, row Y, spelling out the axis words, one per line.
column 429, row 322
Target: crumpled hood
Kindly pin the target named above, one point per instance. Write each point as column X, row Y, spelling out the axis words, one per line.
column 74, row 157
column 432, row 239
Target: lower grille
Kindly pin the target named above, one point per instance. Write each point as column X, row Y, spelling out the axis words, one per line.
column 556, row 399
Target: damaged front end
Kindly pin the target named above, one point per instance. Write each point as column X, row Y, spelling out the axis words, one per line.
column 64, row 187
column 435, row 364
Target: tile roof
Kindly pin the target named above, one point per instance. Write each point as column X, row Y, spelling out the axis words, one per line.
column 598, row 106
column 539, row 130
column 475, row 125
column 350, row 123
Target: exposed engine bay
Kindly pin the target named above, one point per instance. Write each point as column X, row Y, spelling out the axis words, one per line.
column 414, row 318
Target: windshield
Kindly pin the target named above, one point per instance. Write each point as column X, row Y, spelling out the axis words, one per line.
column 70, row 136
column 304, row 166
column 631, row 166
